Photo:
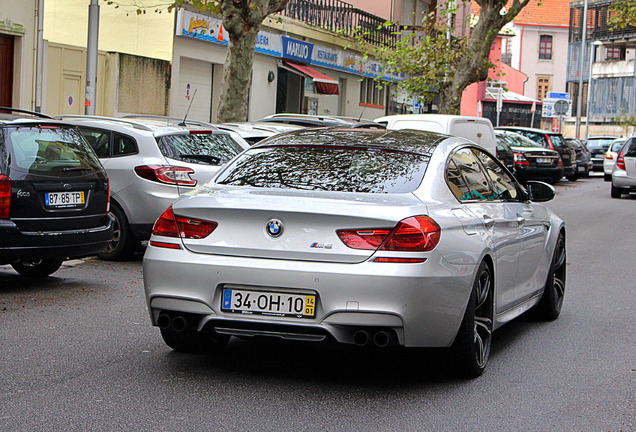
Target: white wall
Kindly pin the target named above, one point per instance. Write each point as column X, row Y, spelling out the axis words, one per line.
column 525, row 50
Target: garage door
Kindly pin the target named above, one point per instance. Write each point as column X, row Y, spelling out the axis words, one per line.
column 195, row 75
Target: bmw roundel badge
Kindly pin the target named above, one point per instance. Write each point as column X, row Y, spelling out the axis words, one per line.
column 274, row 227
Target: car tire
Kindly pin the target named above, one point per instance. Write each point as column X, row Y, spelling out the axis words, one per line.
column 471, row 347
column 573, row 177
column 616, row 192
column 194, row 342
column 607, row 177
column 37, row 268
column 124, row 243
column 549, row 307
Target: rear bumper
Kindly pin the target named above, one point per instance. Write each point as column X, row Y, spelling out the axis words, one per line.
column 422, row 304
column 597, row 163
column 16, row 244
column 525, row 172
column 621, row 180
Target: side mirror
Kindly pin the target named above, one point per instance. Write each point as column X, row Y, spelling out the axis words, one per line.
column 539, row 191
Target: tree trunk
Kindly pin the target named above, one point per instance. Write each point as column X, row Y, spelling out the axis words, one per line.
column 474, row 66
column 237, row 76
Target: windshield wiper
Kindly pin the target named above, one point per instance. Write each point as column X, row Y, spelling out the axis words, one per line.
column 213, row 160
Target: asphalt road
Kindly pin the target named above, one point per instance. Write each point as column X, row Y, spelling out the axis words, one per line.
column 77, row 353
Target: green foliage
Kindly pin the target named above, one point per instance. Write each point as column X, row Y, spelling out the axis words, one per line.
column 426, row 59
column 622, row 14
column 626, row 121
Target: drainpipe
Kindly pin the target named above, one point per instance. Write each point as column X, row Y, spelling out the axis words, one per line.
column 91, row 57
column 39, row 57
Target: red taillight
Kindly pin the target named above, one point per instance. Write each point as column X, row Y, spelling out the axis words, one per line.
column 560, row 163
column 171, row 225
column 620, row 161
column 414, row 234
column 200, row 132
column 173, row 175
column 520, row 159
column 5, row 196
column 367, row 239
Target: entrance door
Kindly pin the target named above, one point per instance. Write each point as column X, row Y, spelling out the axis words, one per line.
column 72, row 91
column 195, row 75
column 6, row 71
column 289, row 92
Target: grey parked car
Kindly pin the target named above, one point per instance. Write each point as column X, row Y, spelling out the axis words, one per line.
column 624, row 171
column 366, row 237
column 150, row 162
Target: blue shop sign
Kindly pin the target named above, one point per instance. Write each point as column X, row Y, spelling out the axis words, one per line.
column 298, row 50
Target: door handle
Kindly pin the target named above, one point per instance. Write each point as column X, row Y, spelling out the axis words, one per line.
column 489, row 222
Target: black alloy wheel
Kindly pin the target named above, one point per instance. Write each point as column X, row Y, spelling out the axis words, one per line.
column 473, row 341
column 124, row 244
column 549, row 307
column 37, row 268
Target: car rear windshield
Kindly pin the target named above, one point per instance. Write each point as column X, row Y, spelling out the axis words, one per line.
column 516, row 140
column 209, row 149
column 557, row 141
column 616, row 145
column 328, row 168
column 599, row 143
column 48, row 150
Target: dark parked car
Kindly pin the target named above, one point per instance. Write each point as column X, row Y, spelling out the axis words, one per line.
column 583, row 157
column 505, row 154
column 553, row 141
column 306, row 120
column 598, row 145
column 531, row 161
column 54, row 194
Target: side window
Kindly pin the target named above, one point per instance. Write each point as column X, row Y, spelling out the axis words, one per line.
column 455, row 181
column 505, row 188
column 630, row 148
column 99, row 140
column 470, row 169
column 124, row 145
column 538, row 138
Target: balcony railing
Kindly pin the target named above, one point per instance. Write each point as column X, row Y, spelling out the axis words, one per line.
column 339, row 17
column 597, row 26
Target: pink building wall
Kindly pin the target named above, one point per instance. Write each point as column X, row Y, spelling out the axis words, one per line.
column 500, row 72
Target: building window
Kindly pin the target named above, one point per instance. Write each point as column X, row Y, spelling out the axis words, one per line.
column 370, row 94
column 545, row 47
column 615, row 53
column 506, row 53
column 543, row 87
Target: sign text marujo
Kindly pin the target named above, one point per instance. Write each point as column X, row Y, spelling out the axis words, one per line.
column 298, row 50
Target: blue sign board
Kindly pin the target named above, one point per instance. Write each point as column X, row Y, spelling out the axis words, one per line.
column 298, row 50
column 553, row 95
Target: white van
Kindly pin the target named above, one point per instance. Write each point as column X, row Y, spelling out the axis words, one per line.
column 476, row 129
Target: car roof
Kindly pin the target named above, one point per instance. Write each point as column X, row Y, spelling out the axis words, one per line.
column 527, row 129
column 408, row 140
column 603, row 137
column 157, row 125
column 10, row 116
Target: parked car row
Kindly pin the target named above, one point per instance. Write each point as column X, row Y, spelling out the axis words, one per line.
column 623, row 175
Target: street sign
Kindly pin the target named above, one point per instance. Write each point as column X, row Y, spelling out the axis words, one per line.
column 554, row 95
column 561, row 107
column 548, row 109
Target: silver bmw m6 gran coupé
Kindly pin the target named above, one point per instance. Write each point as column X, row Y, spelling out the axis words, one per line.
column 369, row 237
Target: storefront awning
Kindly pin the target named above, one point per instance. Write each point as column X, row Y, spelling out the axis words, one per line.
column 324, row 84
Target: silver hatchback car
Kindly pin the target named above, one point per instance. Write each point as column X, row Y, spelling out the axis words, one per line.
column 369, row 237
column 150, row 161
column 624, row 171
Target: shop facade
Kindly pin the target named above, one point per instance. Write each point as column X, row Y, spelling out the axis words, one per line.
column 290, row 74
